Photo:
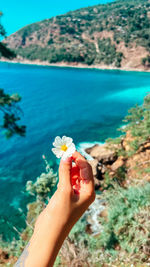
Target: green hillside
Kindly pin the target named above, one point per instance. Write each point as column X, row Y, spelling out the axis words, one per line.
column 103, row 34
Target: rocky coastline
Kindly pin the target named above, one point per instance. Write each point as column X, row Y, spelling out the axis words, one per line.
column 112, row 160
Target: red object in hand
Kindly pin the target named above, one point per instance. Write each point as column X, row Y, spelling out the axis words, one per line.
column 75, row 175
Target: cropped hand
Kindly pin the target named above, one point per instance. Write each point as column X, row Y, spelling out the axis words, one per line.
column 76, row 186
column 75, row 190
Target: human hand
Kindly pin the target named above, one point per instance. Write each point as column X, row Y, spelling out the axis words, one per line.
column 75, row 190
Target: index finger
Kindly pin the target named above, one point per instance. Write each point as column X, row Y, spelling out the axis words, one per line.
column 85, row 168
column 80, row 161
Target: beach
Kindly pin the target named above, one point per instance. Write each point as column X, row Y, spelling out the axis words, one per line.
column 75, row 65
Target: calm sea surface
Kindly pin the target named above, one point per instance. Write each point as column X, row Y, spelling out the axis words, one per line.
column 87, row 105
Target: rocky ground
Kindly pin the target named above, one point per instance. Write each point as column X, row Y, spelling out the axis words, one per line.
column 5, row 258
column 107, row 163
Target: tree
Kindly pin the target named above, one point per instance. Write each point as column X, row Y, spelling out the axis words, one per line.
column 4, row 51
column 138, row 122
column 11, row 114
column 146, row 61
column 8, row 103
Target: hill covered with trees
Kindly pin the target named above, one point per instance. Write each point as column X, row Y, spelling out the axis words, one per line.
column 115, row 34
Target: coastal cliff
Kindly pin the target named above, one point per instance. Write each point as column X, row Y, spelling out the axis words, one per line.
column 112, row 161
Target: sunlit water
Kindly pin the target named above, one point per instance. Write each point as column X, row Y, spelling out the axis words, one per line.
column 87, row 105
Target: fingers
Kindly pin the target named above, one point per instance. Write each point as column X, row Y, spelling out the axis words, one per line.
column 79, row 160
column 65, row 173
column 83, row 165
column 68, row 174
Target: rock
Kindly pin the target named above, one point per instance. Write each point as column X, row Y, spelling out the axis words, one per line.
column 94, row 164
column 101, row 168
column 139, row 164
column 127, row 140
column 5, row 258
column 117, row 164
column 88, row 229
column 3, row 254
column 104, row 214
column 102, row 153
column 111, row 174
column 144, row 147
column 97, row 183
column 147, row 146
column 98, row 170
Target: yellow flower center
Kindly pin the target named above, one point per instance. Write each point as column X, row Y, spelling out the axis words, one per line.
column 64, row 147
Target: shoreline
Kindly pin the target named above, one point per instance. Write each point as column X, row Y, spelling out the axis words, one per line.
column 68, row 65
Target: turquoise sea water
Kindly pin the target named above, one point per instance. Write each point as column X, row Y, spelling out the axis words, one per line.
column 87, row 105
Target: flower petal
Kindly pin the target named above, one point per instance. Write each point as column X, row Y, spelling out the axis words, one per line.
column 57, row 142
column 57, row 152
column 71, row 148
column 68, row 141
column 64, row 138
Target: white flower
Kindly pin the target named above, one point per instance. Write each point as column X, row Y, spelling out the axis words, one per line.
column 63, row 147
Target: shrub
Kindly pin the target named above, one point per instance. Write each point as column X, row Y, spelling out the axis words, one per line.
column 43, row 187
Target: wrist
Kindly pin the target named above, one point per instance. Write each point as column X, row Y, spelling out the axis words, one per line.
column 58, row 210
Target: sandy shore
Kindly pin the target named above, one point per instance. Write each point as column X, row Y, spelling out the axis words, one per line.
column 72, row 65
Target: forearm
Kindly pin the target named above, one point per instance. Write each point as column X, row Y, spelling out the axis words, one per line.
column 46, row 241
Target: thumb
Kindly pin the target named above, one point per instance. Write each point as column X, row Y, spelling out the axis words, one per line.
column 65, row 174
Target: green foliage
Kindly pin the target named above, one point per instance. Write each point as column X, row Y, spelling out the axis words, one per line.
column 2, row 31
column 108, row 54
column 121, row 227
column 85, row 54
column 116, row 140
column 28, row 30
column 8, row 106
column 121, row 174
column 138, row 123
column 125, row 232
column 14, row 248
column 8, row 103
column 67, row 29
column 44, row 185
column 57, row 262
column 50, row 41
column 4, row 50
column 107, row 178
column 78, row 231
column 146, row 61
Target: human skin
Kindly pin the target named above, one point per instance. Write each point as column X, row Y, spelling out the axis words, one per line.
column 73, row 196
